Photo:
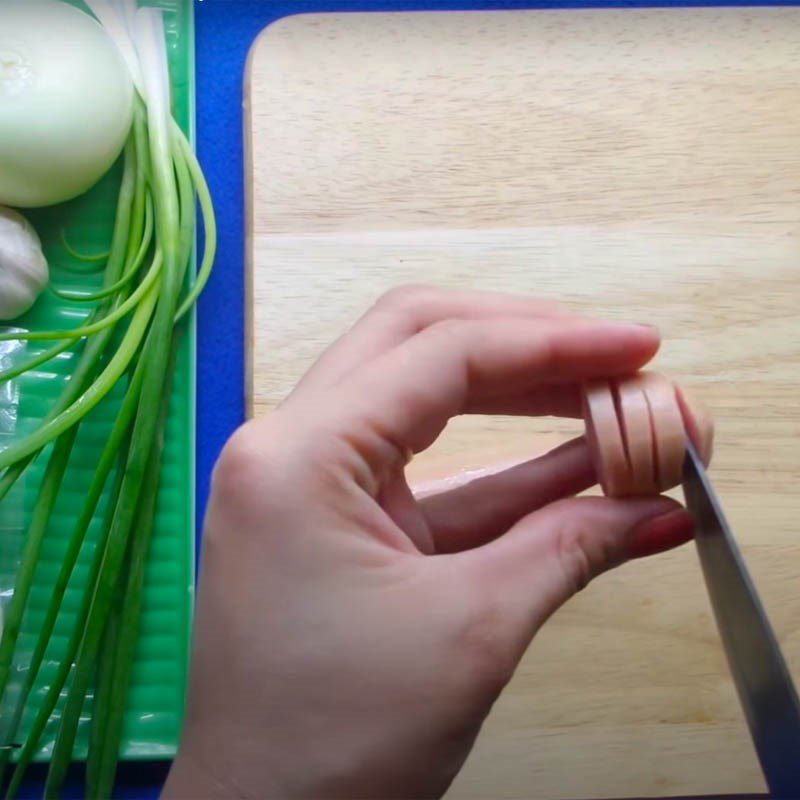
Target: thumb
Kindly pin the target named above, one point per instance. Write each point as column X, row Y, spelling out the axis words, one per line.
column 554, row 552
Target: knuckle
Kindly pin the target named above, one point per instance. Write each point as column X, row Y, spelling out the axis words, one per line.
column 405, row 298
column 252, row 487
column 450, row 331
column 241, row 464
column 582, row 553
column 268, row 467
column 573, row 559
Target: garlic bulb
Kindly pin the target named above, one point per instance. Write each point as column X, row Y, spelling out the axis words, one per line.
column 23, row 268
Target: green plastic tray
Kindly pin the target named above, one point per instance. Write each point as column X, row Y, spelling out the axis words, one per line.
column 156, row 699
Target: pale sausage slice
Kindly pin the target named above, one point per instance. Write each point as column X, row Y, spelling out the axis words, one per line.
column 697, row 421
column 637, row 435
column 669, row 435
column 637, row 430
column 605, row 439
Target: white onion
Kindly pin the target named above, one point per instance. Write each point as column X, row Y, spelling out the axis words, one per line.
column 66, row 102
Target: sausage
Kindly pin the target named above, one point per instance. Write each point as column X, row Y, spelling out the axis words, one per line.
column 605, row 438
column 637, row 428
column 634, row 416
column 698, row 423
column 669, row 434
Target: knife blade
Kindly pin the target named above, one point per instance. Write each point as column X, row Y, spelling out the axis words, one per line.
column 763, row 682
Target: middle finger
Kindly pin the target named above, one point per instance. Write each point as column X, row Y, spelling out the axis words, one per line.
column 483, row 509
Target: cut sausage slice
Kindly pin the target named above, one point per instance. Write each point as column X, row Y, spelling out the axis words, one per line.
column 697, row 421
column 637, row 430
column 669, row 435
column 637, row 435
column 605, row 439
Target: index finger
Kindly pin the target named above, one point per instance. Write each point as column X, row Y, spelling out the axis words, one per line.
column 403, row 312
column 407, row 395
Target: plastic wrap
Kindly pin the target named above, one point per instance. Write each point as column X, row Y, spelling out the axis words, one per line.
column 12, row 518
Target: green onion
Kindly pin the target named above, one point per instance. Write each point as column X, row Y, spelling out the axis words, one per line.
column 135, row 330
column 30, row 553
column 93, row 395
column 81, row 256
column 86, row 330
column 87, row 365
column 110, row 702
column 89, row 359
column 130, row 273
column 53, row 693
column 209, row 223
column 108, row 457
column 32, row 363
column 102, row 707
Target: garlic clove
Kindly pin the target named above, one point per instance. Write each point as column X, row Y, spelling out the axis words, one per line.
column 23, row 267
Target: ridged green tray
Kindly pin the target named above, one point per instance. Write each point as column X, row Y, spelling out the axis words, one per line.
column 156, row 699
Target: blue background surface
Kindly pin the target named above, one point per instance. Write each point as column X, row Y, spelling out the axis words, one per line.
column 225, row 30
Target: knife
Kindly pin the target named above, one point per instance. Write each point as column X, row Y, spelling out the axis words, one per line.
column 766, row 691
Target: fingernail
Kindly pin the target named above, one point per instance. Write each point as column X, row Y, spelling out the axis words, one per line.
column 648, row 325
column 658, row 534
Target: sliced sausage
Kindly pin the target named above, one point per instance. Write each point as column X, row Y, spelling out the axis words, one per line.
column 637, row 428
column 669, row 435
column 637, row 435
column 697, row 421
column 605, row 439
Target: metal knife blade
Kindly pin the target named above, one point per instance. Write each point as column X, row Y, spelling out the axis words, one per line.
column 766, row 691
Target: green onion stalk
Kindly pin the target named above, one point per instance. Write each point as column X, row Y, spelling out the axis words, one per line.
column 130, row 338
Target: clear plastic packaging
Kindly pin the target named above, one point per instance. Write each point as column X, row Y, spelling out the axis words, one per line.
column 12, row 508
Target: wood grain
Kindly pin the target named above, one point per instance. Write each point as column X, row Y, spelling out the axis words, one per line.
column 635, row 164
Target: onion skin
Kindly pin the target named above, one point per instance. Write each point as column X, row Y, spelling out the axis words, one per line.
column 66, row 102
column 637, row 429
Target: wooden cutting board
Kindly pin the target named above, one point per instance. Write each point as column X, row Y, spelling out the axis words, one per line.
column 642, row 164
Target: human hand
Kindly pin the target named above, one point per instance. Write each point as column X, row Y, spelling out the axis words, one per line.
column 351, row 639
